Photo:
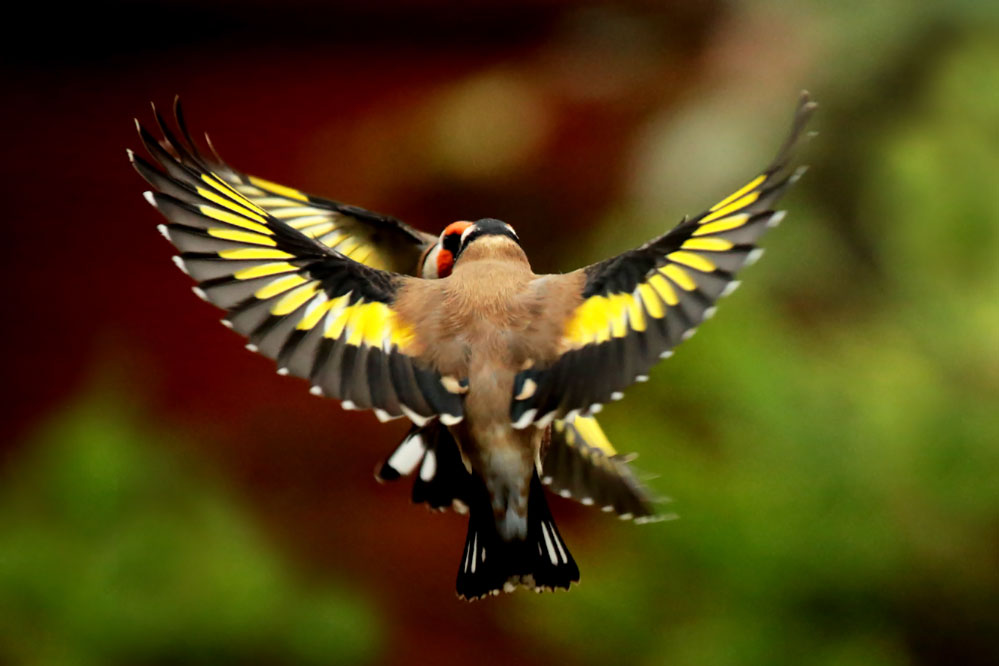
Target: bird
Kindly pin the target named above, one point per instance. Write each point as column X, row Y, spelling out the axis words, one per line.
column 495, row 356
column 580, row 463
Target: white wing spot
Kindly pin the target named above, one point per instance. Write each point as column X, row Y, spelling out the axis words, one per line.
column 525, row 419
column 776, row 218
column 452, row 385
column 546, row 419
column 316, row 390
column 530, row 386
column 405, row 458
column 179, row 263
column 729, row 288
column 429, row 467
column 413, row 416
column 450, row 419
column 200, row 293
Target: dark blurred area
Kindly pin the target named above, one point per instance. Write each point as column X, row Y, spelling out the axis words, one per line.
column 829, row 440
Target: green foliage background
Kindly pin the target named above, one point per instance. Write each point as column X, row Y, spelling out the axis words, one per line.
column 837, row 454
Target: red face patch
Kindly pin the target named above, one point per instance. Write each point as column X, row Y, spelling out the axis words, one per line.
column 445, row 262
column 450, row 242
column 455, row 228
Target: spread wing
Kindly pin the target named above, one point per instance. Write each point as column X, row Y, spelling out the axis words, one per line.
column 639, row 305
column 321, row 315
column 582, row 464
column 373, row 239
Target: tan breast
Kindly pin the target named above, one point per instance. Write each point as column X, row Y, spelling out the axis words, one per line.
column 492, row 310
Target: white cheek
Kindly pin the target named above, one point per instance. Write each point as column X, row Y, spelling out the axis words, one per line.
column 429, row 270
column 464, row 234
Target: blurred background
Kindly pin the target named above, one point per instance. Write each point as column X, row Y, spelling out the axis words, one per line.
column 830, row 440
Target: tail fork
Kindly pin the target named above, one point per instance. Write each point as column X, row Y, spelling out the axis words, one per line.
column 490, row 565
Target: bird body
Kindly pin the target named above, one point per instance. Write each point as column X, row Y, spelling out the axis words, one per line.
column 490, row 327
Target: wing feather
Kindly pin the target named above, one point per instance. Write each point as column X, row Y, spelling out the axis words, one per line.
column 321, row 315
column 191, row 176
column 636, row 307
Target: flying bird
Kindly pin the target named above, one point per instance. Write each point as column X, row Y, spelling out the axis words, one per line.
column 499, row 369
column 579, row 463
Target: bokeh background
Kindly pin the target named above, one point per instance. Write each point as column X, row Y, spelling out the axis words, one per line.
column 830, row 440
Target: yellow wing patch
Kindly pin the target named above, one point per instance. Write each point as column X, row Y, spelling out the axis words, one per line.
column 585, row 431
column 295, row 299
column 293, row 207
column 263, row 270
column 598, row 319
column 242, row 236
column 729, row 223
column 252, row 253
column 748, row 187
column 603, row 317
column 368, row 323
column 281, row 190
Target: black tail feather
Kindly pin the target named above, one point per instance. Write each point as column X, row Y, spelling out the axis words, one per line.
column 490, row 565
column 442, row 481
column 406, row 457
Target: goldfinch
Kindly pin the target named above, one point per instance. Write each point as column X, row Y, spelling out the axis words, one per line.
column 492, row 353
column 580, row 462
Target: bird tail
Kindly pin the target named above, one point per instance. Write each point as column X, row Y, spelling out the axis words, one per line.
column 442, row 481
column 490, row 565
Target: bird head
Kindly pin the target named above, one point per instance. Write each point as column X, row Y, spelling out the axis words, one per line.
column 438, row 260
column 495, row 234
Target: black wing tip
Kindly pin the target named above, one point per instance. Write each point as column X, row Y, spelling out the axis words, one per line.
column 385, row 473
column 802, row 114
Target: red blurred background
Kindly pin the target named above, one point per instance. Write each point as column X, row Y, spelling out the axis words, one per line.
column 426, row 110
